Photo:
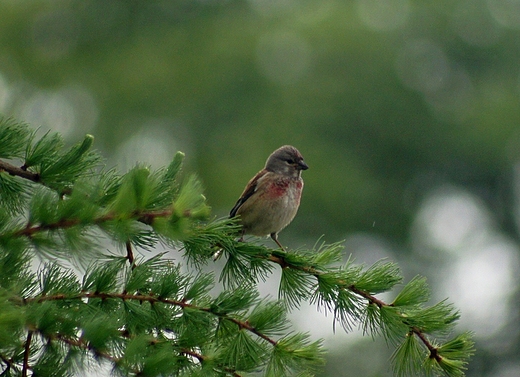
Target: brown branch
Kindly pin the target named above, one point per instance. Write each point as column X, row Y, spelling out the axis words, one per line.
column 20, row 172
column 26, row 352
column 130, row 254
column 248, row 327
column 434, row 352
column 152, row 300
column 145, row 217
column 8, row 362
column 80, row 343
column 148, row 217
column 202, row 358
column 194, row 354
column 62, row 224
column 372, row 299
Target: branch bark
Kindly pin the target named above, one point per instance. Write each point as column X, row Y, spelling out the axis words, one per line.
column 20, row 172
column 26, row 353
column 434, row 353
column 151, row 299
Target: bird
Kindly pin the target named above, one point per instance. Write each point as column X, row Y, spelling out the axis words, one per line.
column 272, row 197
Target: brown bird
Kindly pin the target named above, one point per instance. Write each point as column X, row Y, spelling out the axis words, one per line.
column 272, row 197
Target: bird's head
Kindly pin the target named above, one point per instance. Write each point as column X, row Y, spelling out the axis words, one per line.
column 286, row 160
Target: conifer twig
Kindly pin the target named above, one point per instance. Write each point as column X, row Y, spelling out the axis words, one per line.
column 6, row 361
column 26, row 353
column 130, row 254
column 81, row 344
column 369, row 297
column 202, row 358
column 434, row 352
column 152, row 300
column 20, row 172
column 145, row 217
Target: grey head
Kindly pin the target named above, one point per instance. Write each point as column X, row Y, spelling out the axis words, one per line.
column 286, row 160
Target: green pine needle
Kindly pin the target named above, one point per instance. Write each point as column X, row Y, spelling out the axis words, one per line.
column 239, row 299
column 155, row 316
column 294, row 354
column 269, row 318
column 241, row 352
column 406, row 360
column 13, row 138
column 295, row 286
column 380, row 277
column 415, row 292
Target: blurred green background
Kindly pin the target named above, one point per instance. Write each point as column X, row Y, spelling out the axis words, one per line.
column 406, row 111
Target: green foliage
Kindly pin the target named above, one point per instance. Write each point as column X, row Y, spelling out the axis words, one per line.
column 407, row 357
column 147, row 314
column 268, row 317
column 12, row 189
column 294, row 354
column 13, row 138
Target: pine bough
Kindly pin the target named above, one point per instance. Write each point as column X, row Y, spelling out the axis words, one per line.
column 148, row 316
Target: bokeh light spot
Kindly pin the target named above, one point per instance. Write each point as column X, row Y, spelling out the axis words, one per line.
column 505, row 12
column 272, row 7
column 70, row 110
column 55, row 33
column 51, row 110
column 422, row 65
column 284, row 57
column 473, row 23
column 383, row 15
column 4, row 93
column 479, row 265
column 456, row 100
column 481, row 282
column 449, row 218
column 153, row 145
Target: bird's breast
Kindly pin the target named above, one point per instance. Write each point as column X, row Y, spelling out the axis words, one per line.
column 290, row 188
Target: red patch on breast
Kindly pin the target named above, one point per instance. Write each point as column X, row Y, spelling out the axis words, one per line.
column 281, row 187
column 277, row 189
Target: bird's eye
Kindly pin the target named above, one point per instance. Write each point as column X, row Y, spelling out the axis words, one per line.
column 290, row 161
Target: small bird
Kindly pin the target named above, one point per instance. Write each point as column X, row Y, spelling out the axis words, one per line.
column 272, row 197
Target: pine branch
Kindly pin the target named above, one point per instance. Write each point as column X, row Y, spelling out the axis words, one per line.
column 20, row 172
column 145, row 217
column 26, row 353
column 366, row 295
column 370, row 298
column 152, row 300
column 130, row 254
column 198, row 356
column 150, row 318
column 201, row 358
column 79, row 343
column 434, row 351
column 245, row 325
column 8, row 362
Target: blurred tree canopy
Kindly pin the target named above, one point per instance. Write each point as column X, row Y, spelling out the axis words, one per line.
column 387, row 100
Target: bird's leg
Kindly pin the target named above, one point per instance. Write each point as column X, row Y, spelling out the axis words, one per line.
column 274, row 236
column 242, row 234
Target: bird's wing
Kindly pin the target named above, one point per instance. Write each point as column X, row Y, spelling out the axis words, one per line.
column 248, row 192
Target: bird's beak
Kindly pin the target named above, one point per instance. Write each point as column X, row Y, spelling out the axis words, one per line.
column 302, row 165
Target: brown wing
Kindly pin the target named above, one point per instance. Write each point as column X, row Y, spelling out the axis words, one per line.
column 248, row 192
